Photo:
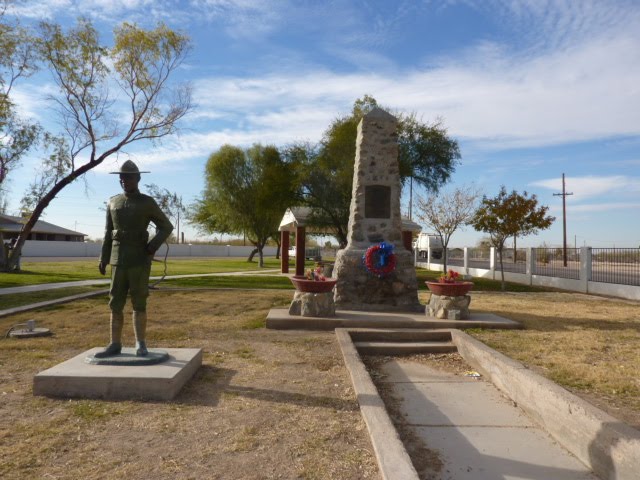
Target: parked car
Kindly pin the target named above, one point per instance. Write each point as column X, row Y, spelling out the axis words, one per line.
column 311, row 253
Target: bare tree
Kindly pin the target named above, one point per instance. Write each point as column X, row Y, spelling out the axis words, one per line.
column 448, row 211
column 140, row 63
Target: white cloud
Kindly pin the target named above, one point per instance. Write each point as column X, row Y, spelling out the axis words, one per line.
column 591, row 186
column 604, row 207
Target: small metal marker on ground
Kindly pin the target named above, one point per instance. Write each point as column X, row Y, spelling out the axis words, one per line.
column 29, row 330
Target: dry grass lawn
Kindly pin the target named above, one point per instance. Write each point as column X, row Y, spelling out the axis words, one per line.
column 270, row 404
column 265, row 404
column 590, row 345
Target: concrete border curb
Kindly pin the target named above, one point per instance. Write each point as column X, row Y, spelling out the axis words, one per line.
column 393, row 459
column 608, row 446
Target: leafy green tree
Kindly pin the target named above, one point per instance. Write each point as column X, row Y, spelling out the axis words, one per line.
column 445, row 212
column 140, row 63
column 425, row 153
column 510, row 214
column 246, row 191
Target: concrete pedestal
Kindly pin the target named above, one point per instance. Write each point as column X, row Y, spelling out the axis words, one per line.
column 450, row 308
column 75, row 378
column 313, row 304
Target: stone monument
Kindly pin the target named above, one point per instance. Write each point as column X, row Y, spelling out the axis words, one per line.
column 374, row 218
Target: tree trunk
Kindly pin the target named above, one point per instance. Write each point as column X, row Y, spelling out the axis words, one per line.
column 44, row 202
column 261, row 258
column 445, row 244
column 252, row 254
column 444, row 259
column 277, row 248
column 503, row 286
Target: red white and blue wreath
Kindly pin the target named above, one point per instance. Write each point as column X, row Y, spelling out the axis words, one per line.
column 380, row 260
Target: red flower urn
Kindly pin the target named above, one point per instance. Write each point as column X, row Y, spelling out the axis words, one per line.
column 457, row 289
column 303, row 284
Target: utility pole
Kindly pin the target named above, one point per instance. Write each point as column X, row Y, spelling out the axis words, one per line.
column 564, row 195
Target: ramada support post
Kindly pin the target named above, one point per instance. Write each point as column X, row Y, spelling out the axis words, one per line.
column 407, row 240
column 300, row 251
column 284, row 254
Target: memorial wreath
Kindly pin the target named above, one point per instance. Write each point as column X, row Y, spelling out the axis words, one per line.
column 380, row 260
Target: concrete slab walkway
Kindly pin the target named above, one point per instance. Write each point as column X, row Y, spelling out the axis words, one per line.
column 476, row 432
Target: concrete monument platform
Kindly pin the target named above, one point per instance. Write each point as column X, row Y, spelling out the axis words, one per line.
column 280, row 319
column 75, row 378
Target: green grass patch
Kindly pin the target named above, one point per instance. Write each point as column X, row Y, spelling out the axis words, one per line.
column 21, row 299
column 254, row 323
column 53, row 272
column 231, row 281
column 89, row 410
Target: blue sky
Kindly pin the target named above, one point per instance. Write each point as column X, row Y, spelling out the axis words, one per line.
column 530, row 89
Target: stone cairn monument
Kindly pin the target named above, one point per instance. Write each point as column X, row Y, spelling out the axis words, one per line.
column 374, row 218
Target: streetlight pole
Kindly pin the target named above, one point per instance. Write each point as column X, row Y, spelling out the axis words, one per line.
column 564, row 220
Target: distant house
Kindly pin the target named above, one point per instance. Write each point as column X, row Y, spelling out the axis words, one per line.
column 10, row 227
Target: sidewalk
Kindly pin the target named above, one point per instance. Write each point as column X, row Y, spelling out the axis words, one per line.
column 473, row 430
column 85, row 283
column 105, row 281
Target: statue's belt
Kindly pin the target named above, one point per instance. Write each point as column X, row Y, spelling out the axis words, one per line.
column 130, row 236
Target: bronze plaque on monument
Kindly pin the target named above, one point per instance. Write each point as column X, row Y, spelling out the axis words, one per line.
column 377, row 201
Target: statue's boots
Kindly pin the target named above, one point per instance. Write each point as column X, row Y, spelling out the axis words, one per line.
column 140, row 329
column 115, row 347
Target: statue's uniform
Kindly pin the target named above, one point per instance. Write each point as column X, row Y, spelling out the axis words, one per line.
column 127, row 247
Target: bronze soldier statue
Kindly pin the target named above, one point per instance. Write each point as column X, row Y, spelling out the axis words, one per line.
column 127, row 248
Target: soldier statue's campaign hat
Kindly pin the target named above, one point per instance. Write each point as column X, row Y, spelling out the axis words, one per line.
column 128, row 167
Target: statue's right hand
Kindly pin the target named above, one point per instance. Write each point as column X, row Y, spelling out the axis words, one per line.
column 102, row 268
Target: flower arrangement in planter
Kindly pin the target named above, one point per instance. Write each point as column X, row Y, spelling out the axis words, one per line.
column 450, row 284
column 314, row 281
column 450, row 277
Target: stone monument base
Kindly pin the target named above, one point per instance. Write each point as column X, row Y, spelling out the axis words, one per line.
column 313, row 304
column 75, row 378
column 358, row 289
column 450, row 308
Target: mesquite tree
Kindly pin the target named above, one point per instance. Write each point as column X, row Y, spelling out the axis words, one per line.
column 140, row 63
column 17, row 135
column 510, row 214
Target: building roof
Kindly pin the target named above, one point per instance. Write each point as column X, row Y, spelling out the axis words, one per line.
column 9, row 223
column 297, row 217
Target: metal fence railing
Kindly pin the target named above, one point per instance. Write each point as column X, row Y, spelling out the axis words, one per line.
column 455, row 257
column 479, row 258
column 549, row 262
column 616, row 265
column 515, row 262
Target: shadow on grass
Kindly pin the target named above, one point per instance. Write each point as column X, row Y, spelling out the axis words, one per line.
column 210, row 384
